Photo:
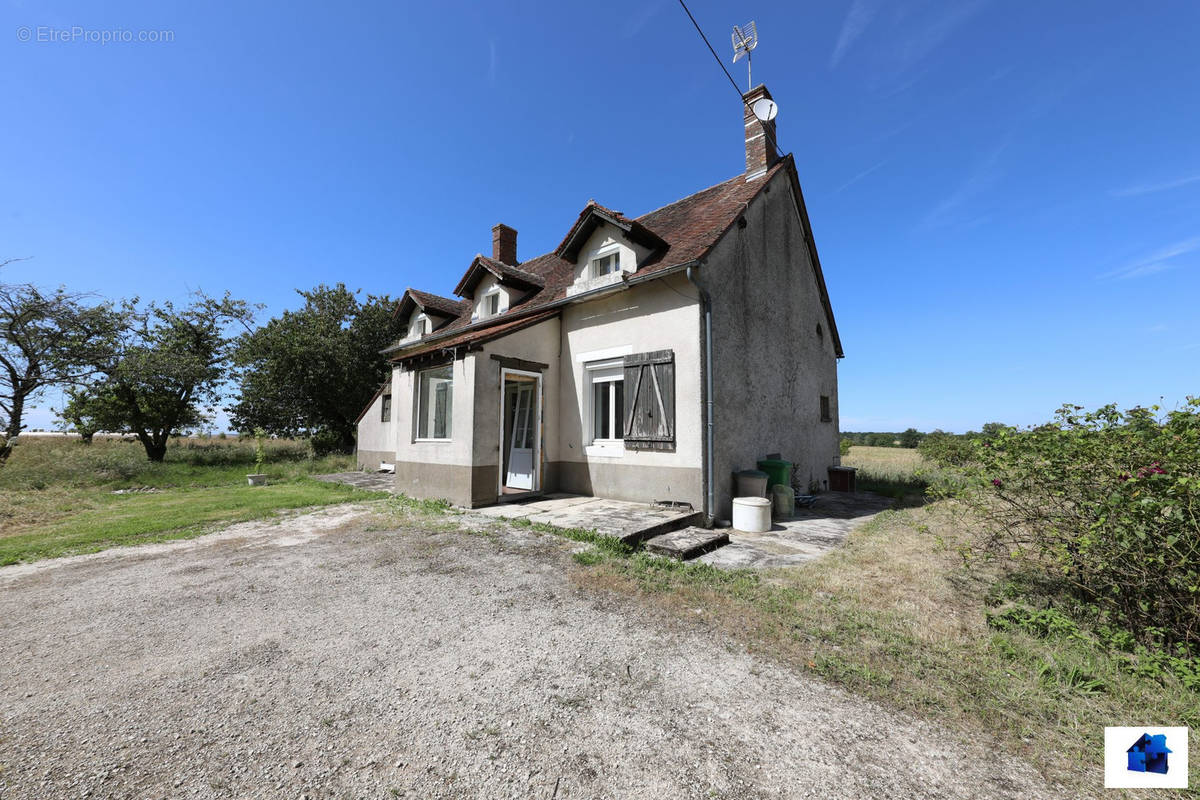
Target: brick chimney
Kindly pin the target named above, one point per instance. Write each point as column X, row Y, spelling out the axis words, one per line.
column 504, row 245
column 760, row 136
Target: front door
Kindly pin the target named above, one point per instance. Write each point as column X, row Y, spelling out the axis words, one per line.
column 523, row 436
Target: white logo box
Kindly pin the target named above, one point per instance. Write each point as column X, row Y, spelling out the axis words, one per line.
column 1117, row 775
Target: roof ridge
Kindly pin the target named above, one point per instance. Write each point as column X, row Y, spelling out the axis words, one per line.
column 693, row 194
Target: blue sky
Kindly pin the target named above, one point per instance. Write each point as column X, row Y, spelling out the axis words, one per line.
column 1006, row 196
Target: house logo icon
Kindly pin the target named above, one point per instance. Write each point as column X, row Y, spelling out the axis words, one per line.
column 1149, row 754
column 1146, row 757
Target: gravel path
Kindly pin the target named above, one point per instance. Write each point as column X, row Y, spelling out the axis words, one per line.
column 317, row 657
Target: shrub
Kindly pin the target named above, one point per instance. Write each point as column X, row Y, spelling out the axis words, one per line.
column 844, row 446
column 1106, row 504
column 325, row 442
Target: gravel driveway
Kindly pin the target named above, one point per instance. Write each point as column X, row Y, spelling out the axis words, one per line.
column 324, row 656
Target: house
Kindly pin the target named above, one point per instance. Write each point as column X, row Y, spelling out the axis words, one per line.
column 643, row 359
column 1149, row 754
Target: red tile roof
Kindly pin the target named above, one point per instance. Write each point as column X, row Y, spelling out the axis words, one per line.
column 431, row 302
column 478, row 336
column 504, row 272
column 689, row 227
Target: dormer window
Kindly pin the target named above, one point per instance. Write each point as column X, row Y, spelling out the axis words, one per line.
column 491, row 304
column 418, row 327
column 605, row 265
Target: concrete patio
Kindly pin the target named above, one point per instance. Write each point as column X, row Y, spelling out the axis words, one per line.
column 809, row 534
column 630, row 522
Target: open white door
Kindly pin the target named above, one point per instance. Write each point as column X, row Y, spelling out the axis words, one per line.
column 523, row 438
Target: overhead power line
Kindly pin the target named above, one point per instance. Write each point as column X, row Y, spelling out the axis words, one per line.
column 732, row 82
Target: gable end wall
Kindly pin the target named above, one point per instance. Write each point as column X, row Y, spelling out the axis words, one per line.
column 769, row 366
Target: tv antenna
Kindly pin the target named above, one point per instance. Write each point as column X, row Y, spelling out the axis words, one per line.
column 745, row 39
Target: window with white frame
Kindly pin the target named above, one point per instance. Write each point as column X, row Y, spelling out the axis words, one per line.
column 419, row 326
column 606, row 394
column 435, row 402
column 606, row 264
column 491, row 304
column 385, row 410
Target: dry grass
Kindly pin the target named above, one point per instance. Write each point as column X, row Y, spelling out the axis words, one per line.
column 898, row 472
column 895, row 463
column 897, row 615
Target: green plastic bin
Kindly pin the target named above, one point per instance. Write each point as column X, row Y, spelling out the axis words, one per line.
column 778, row 472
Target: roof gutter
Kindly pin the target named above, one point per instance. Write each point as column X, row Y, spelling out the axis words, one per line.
column 591, row 294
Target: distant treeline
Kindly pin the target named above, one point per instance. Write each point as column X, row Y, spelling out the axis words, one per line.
column 912, row 437
column 909, row 438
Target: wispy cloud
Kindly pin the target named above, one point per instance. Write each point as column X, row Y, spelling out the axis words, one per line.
column 857, row 19
column 925, row 39
column 982, row 176
column 636, row 22
column 860, row 176
column 1151, row 188
column 1156, row 261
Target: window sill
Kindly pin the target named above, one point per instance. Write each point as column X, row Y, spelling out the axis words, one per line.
column 611, row 448
column 431, row 441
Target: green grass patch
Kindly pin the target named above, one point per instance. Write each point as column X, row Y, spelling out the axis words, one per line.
column 57, row 495
column 177, row 514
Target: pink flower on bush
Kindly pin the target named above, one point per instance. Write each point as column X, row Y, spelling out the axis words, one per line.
column 1155, row 468
column 999, row 484
column 1124, row 476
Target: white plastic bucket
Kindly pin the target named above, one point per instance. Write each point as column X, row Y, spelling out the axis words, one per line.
column 752, row 514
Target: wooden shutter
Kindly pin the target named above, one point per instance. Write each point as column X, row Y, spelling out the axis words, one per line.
column 650, row 401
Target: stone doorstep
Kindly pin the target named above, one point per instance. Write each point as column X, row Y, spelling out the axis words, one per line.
column 669, row 522
column 687, row 543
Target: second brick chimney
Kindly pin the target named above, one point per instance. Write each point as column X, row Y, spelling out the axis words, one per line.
column 504, row 245
column 760, row 136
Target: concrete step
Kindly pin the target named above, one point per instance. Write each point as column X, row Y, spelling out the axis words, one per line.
column 656, row 523
column 687, row 543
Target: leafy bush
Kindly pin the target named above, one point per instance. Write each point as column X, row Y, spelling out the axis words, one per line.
column 844, row 446
column 325, row 442
column 947, row 449
column 1106, row 504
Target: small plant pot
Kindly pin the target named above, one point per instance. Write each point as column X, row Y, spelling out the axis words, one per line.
column 257, row 480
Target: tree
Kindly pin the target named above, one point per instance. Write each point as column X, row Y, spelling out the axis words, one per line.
column 311, row 371
column 910, row 438
column 161, row 369
column 46, row 339
column 81, row 414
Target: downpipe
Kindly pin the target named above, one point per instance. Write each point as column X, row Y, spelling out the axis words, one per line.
column 710, row 502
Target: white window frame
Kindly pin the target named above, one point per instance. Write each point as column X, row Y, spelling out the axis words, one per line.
column 418, row 327
column 485, row 301
column 603, row 256
column 607, row 371
column 418, row 409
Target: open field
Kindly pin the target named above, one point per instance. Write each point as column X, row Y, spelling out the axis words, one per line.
column 897, row 472
column 59, row 496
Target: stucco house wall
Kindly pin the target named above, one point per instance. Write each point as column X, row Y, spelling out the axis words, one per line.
column 770, row 366
column 541, row 344
column 376, row 439
column 661, row 315
column 435, row 469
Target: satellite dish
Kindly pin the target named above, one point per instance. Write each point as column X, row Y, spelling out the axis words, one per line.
column 764, row 109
